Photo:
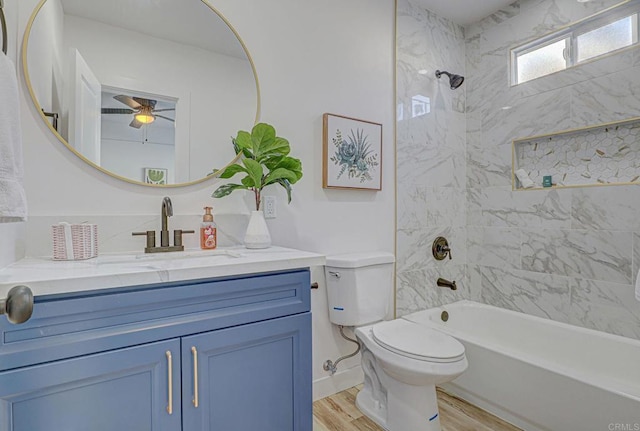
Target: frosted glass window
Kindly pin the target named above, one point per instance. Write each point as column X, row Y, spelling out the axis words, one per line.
column 598, row 35
column 605, row 39
column 541, row 61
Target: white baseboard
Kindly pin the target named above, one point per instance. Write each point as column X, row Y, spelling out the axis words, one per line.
column 329, row 385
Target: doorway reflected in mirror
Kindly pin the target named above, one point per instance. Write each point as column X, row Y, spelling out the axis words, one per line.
column 138, row 130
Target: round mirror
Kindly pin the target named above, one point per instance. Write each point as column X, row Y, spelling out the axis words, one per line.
column 148, row 91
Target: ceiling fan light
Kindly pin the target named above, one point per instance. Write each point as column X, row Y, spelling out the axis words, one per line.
column 145, row 118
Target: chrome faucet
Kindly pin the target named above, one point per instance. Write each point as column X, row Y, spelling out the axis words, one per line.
column 446, row 283
column 167, row 211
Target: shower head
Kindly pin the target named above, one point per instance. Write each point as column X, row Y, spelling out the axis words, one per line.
column 455, row 81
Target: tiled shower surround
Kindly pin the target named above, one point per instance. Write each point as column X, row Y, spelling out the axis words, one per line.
column 431, row 159
column 566, row 254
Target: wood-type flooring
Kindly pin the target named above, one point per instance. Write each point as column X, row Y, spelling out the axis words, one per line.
column 339, row 413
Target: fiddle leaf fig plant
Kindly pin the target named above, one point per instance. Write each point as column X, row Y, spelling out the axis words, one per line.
column 265, row 160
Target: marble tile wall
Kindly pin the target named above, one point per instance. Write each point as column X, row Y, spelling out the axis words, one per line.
column 570, row 255
column 432, row 164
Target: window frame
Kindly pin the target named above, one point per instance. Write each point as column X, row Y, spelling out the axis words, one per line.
column 571, row 33
column 536, row 45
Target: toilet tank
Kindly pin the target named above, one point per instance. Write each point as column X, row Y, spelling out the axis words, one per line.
column 359, row 287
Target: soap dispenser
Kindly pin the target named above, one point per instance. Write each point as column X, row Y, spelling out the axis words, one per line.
column 208, row 234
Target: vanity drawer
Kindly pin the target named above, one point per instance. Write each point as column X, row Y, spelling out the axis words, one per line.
column 64, row 326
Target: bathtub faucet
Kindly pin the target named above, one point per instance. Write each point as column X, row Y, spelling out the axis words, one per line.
column 446, row 283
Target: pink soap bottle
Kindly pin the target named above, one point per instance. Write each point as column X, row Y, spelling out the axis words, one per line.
column 208, row 234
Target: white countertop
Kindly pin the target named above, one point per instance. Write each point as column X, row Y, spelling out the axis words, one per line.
column 45, row 276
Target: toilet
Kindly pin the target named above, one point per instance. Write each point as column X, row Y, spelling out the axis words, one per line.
column 402, row 360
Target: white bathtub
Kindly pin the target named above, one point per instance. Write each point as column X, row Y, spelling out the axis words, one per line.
column 540, row 374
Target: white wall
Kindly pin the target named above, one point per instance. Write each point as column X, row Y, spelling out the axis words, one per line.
column 129, row 158
column 311, row 58
column 126, row 151
column 13, row 242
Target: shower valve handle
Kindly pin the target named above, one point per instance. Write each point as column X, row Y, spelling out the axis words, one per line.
column 446, row 250
column 441, row 249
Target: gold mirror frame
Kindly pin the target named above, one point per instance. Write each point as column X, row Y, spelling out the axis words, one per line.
column 25, row 71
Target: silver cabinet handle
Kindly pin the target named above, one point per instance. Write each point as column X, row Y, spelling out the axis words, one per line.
column 170, row 376
column 194, row 352
column 19, row 304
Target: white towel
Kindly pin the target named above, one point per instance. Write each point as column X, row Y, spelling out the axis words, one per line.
column 638, row 286
column 13, row 201
column 524, row 179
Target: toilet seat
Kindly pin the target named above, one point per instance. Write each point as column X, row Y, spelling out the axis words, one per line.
column 416, row 341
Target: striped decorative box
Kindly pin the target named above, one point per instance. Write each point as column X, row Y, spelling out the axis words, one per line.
column 74, row 241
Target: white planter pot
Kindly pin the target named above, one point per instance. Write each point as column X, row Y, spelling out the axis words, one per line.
column 257, row 235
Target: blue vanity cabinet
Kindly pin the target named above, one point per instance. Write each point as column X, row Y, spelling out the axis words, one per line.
column 126, row 389
column 251, row 377
column 131, row 358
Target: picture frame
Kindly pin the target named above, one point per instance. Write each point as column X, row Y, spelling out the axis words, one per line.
column 351, row 153
column 155, row 176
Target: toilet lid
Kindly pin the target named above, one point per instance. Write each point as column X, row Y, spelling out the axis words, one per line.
column 417, row 341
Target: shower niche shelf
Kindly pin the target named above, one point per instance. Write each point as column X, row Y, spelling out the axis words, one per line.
column 599, row 155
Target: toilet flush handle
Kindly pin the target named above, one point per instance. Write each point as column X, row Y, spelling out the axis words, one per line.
column 334, row 274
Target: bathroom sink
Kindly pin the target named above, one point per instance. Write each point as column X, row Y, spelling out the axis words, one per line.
column 187, row 254
column 149, row 258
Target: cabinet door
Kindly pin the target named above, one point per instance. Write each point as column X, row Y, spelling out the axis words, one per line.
column 126, row 389
column 249, row 377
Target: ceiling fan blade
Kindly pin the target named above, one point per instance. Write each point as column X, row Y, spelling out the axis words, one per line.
column 135, row 123
column 163, row 110
column 127, row 101
column 165, row 118
column 145, row 102
column 117, row 111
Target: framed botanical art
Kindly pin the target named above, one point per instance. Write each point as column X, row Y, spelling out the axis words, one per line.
column 351, row 153
column 155, row 175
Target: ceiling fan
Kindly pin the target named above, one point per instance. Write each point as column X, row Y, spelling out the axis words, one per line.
column 143, row 110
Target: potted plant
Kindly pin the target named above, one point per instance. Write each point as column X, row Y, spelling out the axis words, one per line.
column 265, row 160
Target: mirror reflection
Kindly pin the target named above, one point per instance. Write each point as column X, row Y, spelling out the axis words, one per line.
column 141, row 86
